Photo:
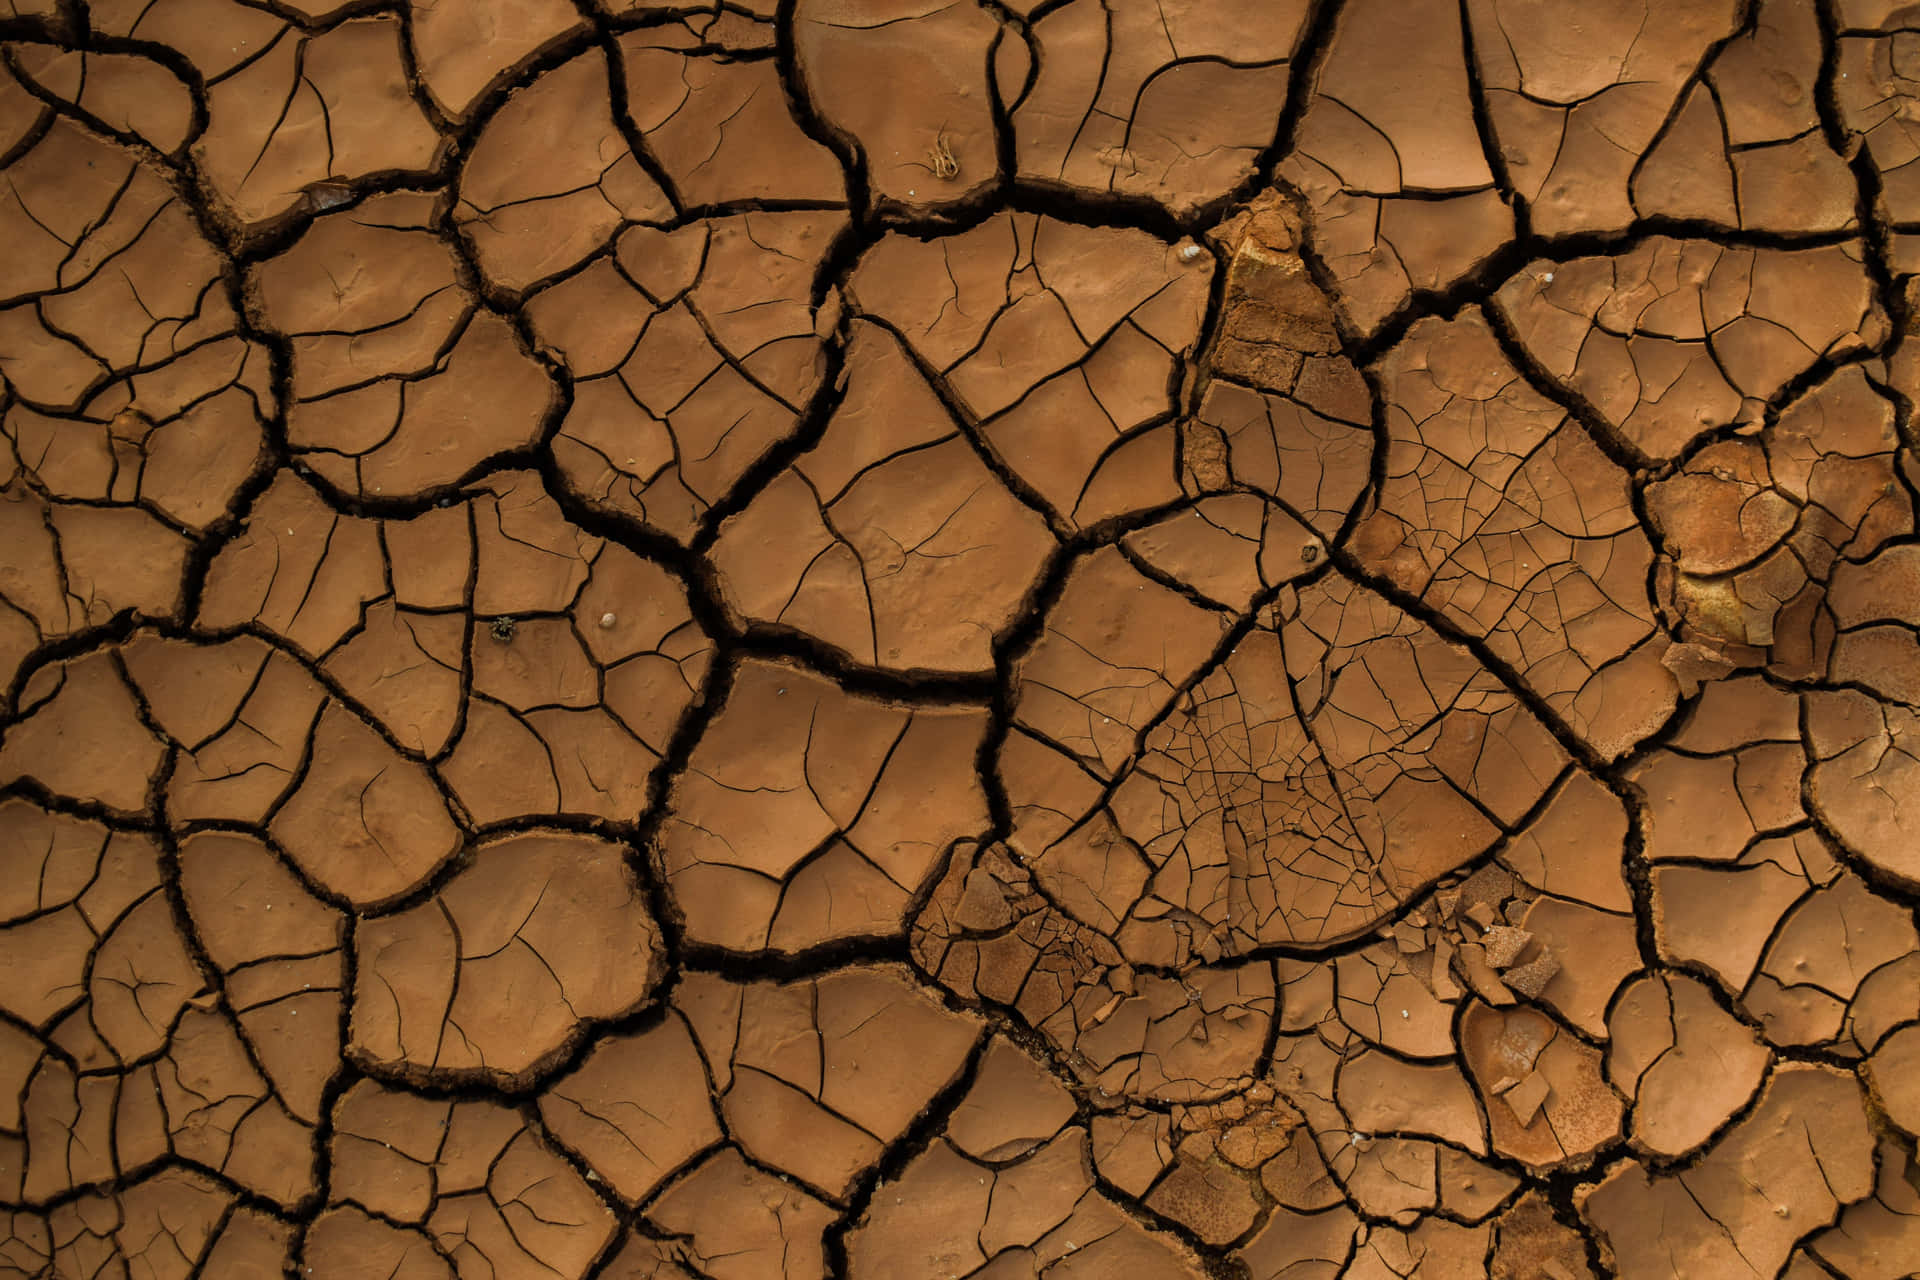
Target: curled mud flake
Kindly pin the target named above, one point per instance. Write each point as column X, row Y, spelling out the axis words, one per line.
column 1275, row 315
column 493, row 978
column 940, row 159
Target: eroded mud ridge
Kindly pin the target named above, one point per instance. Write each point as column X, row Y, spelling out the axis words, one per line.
column 905, row 640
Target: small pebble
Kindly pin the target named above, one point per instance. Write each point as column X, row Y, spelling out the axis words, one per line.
column 606, row 621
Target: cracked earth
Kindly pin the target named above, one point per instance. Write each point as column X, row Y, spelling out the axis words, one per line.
column 885, row 640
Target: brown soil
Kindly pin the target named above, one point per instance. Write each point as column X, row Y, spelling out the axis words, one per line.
column 899, row 641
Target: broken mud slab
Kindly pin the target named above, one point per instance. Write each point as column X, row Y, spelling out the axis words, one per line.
column 798, row 642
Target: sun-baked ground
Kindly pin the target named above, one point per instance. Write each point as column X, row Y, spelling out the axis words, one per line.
column 896, row 640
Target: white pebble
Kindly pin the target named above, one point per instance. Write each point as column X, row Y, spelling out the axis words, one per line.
column 606, row 621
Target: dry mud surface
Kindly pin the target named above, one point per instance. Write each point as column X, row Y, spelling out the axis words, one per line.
column 896, row 641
